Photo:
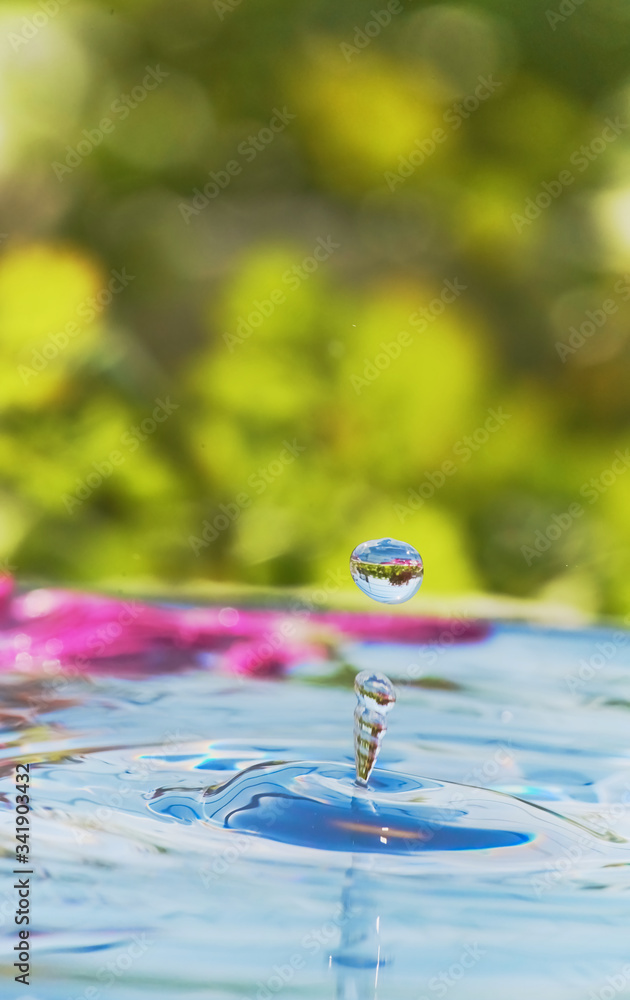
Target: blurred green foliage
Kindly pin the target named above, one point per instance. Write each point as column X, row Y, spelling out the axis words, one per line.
column 250, row 212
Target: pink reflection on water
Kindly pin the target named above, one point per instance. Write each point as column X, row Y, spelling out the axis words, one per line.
column 43, row 628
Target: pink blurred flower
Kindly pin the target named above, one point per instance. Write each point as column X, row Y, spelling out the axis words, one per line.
column 47, row 627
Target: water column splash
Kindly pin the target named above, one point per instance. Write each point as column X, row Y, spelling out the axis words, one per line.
column 358, row 959
column 375, row 698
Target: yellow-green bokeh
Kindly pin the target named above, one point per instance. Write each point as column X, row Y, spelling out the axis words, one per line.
column 249, row 219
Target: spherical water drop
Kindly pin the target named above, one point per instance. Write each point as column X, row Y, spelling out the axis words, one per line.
column 375, row 698
column 387, row 570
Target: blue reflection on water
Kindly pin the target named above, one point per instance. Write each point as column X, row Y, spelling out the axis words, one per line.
column 133, row 783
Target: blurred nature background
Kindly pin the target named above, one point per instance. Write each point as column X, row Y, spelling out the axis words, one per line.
column 122, row 283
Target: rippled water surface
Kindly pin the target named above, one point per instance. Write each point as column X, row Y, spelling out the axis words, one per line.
column 198, row 835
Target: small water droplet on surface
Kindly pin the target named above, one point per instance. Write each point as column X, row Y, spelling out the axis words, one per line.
column 387, row 570
column 375, row 698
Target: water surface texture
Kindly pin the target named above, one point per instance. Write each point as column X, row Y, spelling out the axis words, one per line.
column 197, row 832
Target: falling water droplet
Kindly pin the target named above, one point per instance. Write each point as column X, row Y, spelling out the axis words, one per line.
column 375, row 698
column 387, row 570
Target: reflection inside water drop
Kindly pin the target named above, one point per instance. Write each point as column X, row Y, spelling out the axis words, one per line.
column 375, row 698
column 387, row 570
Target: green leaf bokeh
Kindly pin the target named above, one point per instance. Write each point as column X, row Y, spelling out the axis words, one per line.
column 264, row 240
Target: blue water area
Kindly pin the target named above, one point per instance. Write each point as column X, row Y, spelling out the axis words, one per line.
column 201, row 837
column 328, row 813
